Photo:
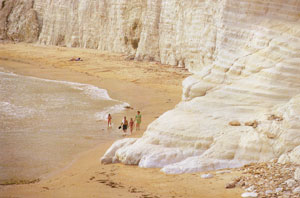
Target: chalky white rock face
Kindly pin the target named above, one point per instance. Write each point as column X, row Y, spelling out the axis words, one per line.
column 245, row 56
column 106, row 25
column 193, row 34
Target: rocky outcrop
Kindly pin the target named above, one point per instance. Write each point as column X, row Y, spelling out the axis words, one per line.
column 245, row 71
column 18, row 21
column 293, row 156
column 6, row 7
column 268, row 180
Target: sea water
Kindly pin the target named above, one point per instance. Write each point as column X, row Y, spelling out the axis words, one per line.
column 44, row 124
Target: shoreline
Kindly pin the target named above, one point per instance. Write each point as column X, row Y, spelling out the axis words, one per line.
column 149, row 87
column 98, row 137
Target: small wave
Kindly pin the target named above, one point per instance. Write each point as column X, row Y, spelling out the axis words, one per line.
column 110, row 110
column 90, row 90
column 4, row 72
column 11, row 110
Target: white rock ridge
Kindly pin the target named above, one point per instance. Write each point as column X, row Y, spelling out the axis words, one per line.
column 246, row 68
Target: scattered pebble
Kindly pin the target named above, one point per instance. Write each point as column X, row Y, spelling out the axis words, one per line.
column 231, row 184
column 268, row 192
column 254, row 123
column 251, row 188
column 297, row 174
column 297, row 190
column 206, row 176
column 234, row 123
column 290, row 182
column 278, row 190
column 249, row 194
column 223, row 171
column 269, row 179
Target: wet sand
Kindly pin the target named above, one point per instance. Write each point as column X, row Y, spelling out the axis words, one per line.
column 151, row 88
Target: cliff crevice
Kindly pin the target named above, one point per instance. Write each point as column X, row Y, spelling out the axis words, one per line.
column 18, row 21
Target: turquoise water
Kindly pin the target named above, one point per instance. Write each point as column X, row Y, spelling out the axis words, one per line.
column 44, row 124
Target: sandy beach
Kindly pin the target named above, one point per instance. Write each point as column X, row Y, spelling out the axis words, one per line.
column 149, row 87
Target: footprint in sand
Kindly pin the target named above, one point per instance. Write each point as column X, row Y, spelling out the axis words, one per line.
column 134, row 190
column 148, row 196
column 114, row 185
column 110, row 183
column 101, row 173
column 103, row 181
column 92, row 178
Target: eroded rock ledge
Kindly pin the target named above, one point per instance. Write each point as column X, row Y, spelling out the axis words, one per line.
column 242, row 104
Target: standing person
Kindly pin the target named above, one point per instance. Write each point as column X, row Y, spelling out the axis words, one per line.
column 138, row 119
column 124, row 124
column 109, row 118
column 131, row 123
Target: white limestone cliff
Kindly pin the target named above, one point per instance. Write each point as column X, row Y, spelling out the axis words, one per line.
column 191, row 34
column 246, row 69
column 112, row 26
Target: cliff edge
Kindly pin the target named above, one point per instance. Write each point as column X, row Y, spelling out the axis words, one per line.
column 242, row 103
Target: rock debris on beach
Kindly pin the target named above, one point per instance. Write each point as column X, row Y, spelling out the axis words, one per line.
column 268, row 180
column 207, row 176
column 249, row 194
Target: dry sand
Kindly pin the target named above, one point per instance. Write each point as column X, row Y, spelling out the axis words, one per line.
column 151, row 88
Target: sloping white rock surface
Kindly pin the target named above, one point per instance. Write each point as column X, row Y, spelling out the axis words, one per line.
column 246, row 57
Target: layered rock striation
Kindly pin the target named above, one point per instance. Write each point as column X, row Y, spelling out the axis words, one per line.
column 18, row 21
column 191, row 34
column 241, row 105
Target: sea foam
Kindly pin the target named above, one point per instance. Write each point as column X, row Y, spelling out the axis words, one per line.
column 92, row 91
column 45, row 124
column 11, row 110
column 110, row 110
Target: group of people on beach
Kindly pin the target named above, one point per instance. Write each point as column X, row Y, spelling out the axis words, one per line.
column 124, row 124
